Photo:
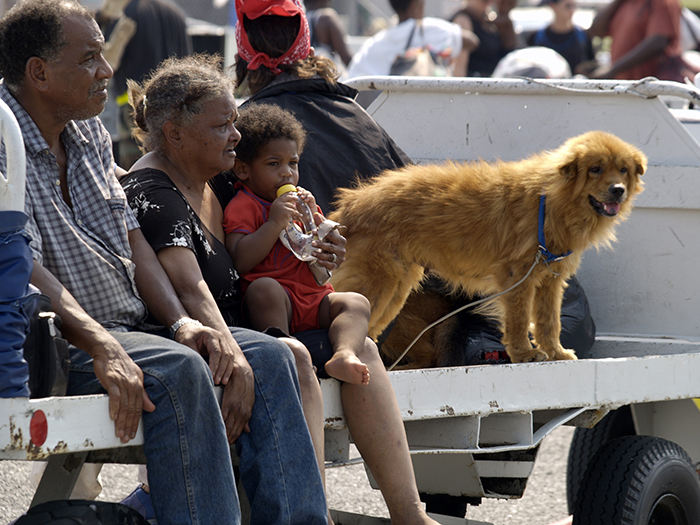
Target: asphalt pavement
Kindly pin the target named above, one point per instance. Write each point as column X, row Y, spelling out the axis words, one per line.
column 544, row 502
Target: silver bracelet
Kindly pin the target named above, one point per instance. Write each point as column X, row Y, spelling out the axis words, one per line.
column 181, row 322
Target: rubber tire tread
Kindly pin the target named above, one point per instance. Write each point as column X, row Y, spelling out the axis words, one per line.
column 616, row 479
column 587, row 441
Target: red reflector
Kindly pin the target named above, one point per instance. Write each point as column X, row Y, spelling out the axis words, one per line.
column 38, row 428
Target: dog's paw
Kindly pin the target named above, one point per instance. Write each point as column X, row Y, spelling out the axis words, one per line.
column 563, row 354
column 530, row 356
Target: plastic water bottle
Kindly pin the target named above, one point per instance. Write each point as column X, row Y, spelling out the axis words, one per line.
column 298, row 237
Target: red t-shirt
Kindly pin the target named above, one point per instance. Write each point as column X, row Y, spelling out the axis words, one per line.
column 636, row 20
column 245, row 214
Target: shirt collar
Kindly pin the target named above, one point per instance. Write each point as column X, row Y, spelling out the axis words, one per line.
column 34, row 141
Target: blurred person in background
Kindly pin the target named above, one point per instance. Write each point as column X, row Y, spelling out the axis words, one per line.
column 157, row 31
column 645, row 40
column 327, row 31
column 443, row 38
column 490, row 21
column 564, row 37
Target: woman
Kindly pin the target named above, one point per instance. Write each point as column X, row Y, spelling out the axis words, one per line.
column 185, row 115
column 277, row 66
column 496, row 34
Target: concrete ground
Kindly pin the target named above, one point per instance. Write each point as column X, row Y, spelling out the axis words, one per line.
column 544, row 502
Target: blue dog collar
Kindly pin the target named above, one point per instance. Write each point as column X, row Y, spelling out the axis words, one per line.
column 548, row 257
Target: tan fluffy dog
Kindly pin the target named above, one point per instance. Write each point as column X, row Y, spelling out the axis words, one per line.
column 476, row 225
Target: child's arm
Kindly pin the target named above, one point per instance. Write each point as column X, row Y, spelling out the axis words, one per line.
column 249, row 250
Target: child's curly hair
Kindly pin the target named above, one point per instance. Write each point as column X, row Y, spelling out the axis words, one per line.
column 259, row 124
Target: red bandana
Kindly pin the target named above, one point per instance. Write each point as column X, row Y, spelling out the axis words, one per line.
column 253, row 9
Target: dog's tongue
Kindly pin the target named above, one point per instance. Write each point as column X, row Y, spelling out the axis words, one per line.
column 612, row 208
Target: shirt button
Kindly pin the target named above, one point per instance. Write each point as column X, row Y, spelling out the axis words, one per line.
column 58, row 182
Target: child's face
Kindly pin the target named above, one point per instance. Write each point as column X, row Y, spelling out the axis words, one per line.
column 564, row 8
column 276, row 165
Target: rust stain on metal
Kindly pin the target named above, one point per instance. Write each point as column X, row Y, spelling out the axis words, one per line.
column 332, row 419
column 88, row 443
column 34, row 452
column 493, row 404
column 16, row 437
column 448, row 410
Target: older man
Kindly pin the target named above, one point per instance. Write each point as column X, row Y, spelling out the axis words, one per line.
column 104, row 281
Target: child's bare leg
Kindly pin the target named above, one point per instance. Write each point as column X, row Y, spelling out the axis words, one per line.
column 347, row 317
column 268, row 305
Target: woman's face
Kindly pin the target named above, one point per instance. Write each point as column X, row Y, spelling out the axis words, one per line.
column 276, row 165
column 211, row 138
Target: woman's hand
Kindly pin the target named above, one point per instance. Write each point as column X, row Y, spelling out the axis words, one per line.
column 220, row 350
column 331, row 250
column 238, row 399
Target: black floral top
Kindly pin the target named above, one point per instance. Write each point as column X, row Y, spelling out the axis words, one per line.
column 167, row 219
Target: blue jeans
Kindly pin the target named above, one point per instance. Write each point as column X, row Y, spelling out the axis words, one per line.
column 187, row 453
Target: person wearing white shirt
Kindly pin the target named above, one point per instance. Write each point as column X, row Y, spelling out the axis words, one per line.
column 378, row 53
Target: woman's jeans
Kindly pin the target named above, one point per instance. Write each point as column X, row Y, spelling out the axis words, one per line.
column 187, row 453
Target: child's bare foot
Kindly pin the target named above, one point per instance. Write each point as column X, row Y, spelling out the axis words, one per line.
column 347, row 367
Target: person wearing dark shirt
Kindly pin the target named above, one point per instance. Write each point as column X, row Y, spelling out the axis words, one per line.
column 160, row 33
column 567, row 39
column 496, row 36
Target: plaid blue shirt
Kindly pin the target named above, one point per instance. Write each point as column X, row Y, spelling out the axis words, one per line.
column 85, row 247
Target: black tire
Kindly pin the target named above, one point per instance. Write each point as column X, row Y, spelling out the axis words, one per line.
column 79, row 512
column 455, row 506
column 587, row 441
column 639, row 480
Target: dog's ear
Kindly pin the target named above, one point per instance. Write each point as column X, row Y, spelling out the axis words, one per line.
column 640, row 163
column 568, row 165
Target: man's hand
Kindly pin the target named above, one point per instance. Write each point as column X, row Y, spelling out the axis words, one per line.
column 123, row 380
column 237, row 403
column 211, row 343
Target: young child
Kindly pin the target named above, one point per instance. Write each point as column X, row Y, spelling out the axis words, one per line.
column 279, row 289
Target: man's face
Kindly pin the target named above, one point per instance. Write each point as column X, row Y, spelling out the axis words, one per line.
column 78, row 78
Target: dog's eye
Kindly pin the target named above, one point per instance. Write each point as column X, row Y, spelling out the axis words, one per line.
column 623, row 170
column 594, row 169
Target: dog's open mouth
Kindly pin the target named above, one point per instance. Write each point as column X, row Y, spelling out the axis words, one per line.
column 606, row 209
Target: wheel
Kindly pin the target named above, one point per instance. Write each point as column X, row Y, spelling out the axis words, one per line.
column 587, row 441
column 639, row 480
column 455, row 506
column 81, row 512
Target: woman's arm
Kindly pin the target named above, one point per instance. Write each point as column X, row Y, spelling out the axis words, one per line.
column 469, row 43
column 183, row 270
column 330, row 31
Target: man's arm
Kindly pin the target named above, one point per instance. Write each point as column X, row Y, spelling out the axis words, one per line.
column 647, row 49
column 601, row 22
column 117, row 373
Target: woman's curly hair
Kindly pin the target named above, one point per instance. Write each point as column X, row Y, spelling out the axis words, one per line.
column 175, row 91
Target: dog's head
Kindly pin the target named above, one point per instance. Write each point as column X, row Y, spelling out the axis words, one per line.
column 605, row 171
